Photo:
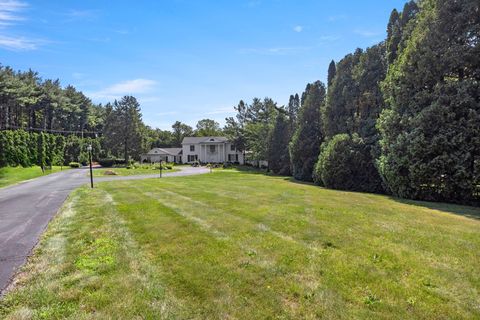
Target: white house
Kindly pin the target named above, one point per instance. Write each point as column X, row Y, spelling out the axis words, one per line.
column 210, row 150
column 162, row 154
column 202, row 149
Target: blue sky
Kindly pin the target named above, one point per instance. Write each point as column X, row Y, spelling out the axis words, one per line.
column 187, row 60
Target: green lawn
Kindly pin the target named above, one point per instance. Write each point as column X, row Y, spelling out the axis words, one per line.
column 239, row 245
column 12, row 175
column 131, row 172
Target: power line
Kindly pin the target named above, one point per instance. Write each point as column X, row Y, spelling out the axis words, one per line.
column 8, row 127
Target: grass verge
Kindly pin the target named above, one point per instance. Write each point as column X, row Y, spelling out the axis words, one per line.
column 12, row 175
column 131, row 172
column 244, row 245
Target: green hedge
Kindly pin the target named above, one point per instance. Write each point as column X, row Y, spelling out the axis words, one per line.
column 346, row 163
column 22, row 148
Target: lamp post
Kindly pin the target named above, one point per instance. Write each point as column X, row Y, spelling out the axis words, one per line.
column 89, row 148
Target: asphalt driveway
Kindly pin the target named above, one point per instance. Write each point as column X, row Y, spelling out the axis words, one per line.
column 27, row 208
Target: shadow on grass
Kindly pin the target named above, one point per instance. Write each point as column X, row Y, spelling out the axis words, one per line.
column 461, row 210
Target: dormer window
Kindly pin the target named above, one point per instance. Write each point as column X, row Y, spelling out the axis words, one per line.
column 212, row 139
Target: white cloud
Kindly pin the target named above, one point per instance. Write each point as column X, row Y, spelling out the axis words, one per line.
column 129, row 87
column 168, row 113
column 9, row 12
column 338, row 17
column 78, row 75
column 298, row 28
column 274, row 50
column 329, row 38
column 18, row 43
column 223, row 110
column 367, row 33
column 74, row 15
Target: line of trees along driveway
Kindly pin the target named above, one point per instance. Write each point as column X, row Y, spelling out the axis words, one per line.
column 401, row 117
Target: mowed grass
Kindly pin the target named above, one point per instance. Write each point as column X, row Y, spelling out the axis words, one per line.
column 12, row 175
column 239, row 245
column 131, row 172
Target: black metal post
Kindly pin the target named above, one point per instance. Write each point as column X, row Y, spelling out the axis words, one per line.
column 91, row 171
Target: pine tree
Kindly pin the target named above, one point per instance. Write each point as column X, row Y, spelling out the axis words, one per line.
column 260, row 119
column 278, row 155
column 393, row 36
column 430, row 130
column 124, row 128
column 332, row 70
column 342, row 99
column 292, row 111
column 305, row 145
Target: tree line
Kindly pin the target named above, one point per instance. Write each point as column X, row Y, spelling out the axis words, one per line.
column 37, row 114
column 401, row 117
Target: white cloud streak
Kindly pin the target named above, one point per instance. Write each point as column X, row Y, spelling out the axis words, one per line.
column 129, row 87
column 338, row 17
column 367, row 33
column 274, row 51
column 298, row 29
column 18, row 43
column 10, row 15
column 9, row 12
column 223, row 110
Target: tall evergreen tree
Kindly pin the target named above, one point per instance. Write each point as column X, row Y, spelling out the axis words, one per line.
column 393, row 36
column 430, row 131
column 278, row 155
column 124, row 128
column 235, row 127
column 292, row 110
column 339, row 111
column 260, row 119
column 305, row 145
column 332, row 70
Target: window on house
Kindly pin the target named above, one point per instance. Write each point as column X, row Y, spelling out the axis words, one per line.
column 192, row 157
column 232, row 147
column 212, row 148
column 192, row 148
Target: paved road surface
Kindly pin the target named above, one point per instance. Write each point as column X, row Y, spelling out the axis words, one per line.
column 26, row 209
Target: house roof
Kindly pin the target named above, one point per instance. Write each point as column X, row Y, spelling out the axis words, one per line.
column 195, row 140
column 169, row 151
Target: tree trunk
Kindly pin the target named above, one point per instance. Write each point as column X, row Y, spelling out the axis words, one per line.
column 126, row 152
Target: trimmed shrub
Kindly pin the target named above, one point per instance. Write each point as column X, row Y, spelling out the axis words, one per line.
column 74, row 165
column 107, row 163
column 346, row 163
